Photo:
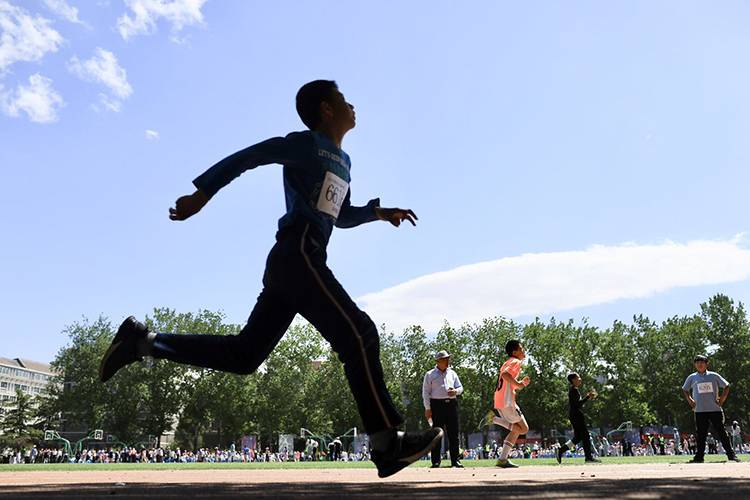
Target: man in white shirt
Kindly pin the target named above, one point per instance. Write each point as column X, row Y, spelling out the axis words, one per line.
column 439, row 390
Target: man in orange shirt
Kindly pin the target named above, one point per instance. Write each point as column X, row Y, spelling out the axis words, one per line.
column 507, row 412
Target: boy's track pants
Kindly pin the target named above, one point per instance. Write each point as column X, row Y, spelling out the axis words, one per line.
column 298, row 280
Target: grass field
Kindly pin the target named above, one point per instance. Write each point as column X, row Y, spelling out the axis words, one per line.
column 536, row 462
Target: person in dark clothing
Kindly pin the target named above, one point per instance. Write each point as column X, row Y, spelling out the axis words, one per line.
column 578, row 420
column 337, row 447
column 297, row 279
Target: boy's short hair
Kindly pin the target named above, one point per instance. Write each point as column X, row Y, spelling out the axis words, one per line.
column 309, row 97
column 572, row 376
column 511, row 346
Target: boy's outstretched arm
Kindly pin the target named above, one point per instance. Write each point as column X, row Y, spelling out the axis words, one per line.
column 351, row 216
column 285, row 150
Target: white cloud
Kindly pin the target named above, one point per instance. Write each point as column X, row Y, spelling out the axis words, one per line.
column 543, row 283
column 144, row 14
column 38, row 100
column 104, row 69
column 24, row 37
column 152, row 135
column 65, row 11
column 107, row 103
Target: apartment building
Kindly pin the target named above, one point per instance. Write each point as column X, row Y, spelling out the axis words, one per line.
column 29, row 376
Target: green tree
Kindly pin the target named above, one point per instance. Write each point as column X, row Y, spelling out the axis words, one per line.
column 332, row 397
column 195, row 416
column 17, row 420
column 666, row 356
column 46, row 408
column 392, row 362
column 17, row 424
column 417, row 356
column 168, row 386
column 636, row 368
column 623, row 396
column 80, row 395
column 729, row 334
column 286, row 399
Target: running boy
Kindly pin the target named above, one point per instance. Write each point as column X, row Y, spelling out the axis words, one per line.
column 297, row 278
column 508, row 414
column 578, row 420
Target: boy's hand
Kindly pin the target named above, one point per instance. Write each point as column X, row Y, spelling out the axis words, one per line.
column 188, row 205
column 396, row 215
column 691, row 402
column 526, row 381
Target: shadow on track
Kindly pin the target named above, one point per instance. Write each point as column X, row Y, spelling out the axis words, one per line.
column 580, row 488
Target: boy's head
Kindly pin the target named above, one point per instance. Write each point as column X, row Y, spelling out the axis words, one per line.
column 320, row 103
column 574, row 379
column 514, row 348
column 701, row 363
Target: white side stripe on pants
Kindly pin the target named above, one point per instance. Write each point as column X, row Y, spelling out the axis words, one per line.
column 351, row 324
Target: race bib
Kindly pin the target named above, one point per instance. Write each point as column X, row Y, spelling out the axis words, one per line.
column 332, row 194
column 705, row 387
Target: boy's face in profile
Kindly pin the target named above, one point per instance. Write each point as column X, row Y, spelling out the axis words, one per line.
column 339, row 113
column 519, row 353
column 576, row 382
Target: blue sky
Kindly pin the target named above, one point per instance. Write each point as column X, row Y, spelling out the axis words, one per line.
column 592, row 155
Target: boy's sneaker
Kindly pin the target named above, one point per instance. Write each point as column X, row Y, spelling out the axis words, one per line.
column 124, row 348
column 505, row 464
column 407, row 448
column 695, row 461
column 734, row 458
column 593, row 460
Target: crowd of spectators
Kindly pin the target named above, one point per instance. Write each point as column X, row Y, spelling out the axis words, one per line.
column 164, row 455
column 649, row 446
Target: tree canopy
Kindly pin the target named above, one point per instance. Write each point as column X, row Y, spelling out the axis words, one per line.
column 637, row 368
